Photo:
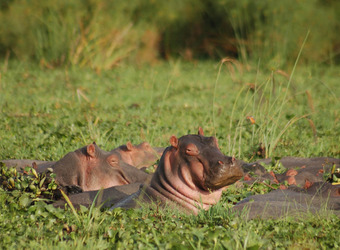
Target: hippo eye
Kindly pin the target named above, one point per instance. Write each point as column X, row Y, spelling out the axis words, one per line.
column 113, row 161
column 191, row 150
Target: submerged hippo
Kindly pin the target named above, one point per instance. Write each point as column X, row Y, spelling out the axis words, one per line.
column 191, row 174
column 91, row 168
column 302, row 172
column 139, row 156
column 308, row 192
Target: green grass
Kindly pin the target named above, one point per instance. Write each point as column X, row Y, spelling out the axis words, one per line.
column 46, row 113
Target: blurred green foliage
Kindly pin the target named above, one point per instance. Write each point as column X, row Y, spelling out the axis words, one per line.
column 103, row 33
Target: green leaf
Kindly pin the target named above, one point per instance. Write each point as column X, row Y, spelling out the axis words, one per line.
column 25, row 200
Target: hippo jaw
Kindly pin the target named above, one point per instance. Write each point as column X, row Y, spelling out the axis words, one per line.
column 223, row 173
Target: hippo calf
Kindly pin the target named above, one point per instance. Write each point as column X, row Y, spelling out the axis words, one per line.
column 191, row 174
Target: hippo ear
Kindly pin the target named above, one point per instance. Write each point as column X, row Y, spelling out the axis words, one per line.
column 91, row 150
column 129, row 146
column 174, row 141
column 200, row 131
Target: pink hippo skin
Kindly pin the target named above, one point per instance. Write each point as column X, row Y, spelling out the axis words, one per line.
column 89, row 168
column 139, row 156
column 191, row 175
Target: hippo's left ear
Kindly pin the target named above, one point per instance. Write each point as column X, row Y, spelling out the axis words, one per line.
column 91, row 150
column 200, row 131
column 174, row 141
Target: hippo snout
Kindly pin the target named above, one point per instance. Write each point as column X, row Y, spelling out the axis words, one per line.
column 226, row 172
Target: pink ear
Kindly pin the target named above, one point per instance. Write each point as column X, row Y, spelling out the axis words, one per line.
column 200, row 131
column 91, row 150
column 174, row 141
column 129, row 146
column 216, row 142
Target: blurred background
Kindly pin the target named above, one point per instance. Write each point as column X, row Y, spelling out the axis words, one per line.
column 102, row 34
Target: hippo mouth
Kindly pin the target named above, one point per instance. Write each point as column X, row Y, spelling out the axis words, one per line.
column 221, row 177
column 222, row 183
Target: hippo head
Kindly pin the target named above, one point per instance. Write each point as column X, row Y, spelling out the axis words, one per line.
column 90, row 168
column 103, row 169
column 139, row 156
column 210, row 170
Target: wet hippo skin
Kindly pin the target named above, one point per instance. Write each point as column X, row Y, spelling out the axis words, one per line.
column 307, row 192
column 191, row 175
column 89, row 168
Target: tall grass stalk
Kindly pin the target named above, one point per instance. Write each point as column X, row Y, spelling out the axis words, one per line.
column 266, row 104
column 74, row 211
column 274, row 141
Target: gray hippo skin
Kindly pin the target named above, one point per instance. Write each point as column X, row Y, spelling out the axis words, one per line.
column 105, row 198
column 307, row 192
column 90, row 168
column 299, row 170
column 191, row 175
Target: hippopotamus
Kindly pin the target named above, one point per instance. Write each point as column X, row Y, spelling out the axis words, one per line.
column 91, row 168
column 191, row 175
column 139, row 156
column 307, row 191
column 322, row 198
column 302, row 172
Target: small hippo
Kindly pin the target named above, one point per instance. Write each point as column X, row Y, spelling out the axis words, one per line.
column 140, row 156
column 191, row 174
column 90, row 168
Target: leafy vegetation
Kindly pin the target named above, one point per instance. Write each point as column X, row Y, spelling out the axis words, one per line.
column 46, row 113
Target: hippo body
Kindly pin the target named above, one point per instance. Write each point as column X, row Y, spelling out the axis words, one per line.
column 191, row 174
column 307, row 192
column 281, row 203
column 19, row 164
column 106, row 197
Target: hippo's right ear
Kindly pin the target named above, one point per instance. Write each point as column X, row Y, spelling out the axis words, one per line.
column 174, row 141
column 200, row 131
column 91, row 150
column 129, row 146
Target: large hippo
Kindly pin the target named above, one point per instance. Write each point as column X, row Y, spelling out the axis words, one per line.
column 91, row 168
column 191, row 175
column 308, row 191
